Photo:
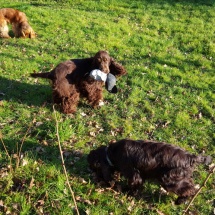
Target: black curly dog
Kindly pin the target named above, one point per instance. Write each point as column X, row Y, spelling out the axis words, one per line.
column 140, row 160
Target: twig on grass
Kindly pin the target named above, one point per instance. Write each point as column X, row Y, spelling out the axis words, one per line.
column 6, row 152
column 63, row 164
column 199, row 190
column 22, row 142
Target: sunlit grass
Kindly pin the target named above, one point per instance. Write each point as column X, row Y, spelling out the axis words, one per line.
column 168, row 95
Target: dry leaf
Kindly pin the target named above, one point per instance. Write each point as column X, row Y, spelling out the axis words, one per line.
column 87, row 202
column 211, row 166
column 77, row 198
column 100, row 190
column 129, row 208
column 112, row 133
column 163, row 191
column 15, row 206
column 15, row 156
column 81, row 180
column 40, row 150
column 80, row 199
column 199, row 115
column 4, row 174
column 40, row 202
column 40, row 210
column 31, row 183
column 87, row 212
column 65, row 191
column 24, row 162
column 92, row 134
column 45, row 143
column 160, row 212
column 38, row 124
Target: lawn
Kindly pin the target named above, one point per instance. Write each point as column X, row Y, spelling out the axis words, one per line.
column 168, row 50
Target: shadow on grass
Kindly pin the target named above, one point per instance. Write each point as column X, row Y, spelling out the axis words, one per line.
column 75, row 160
column 36, row 95
column 29, row 94
column 173, row 2
column 81, row 6
column 41, row 164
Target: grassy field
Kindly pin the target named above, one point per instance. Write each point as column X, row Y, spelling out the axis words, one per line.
column 168, row 49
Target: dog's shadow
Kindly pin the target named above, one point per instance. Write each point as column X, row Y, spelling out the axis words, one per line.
column 35, row 94
column 25, row 93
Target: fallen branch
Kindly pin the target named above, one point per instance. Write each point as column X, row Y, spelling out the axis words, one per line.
column 199, row 190
column 63, row 164
column 22, row 142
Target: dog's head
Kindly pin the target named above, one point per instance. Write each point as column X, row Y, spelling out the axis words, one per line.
column 107, row 64
column 102, row 61
column 27, row 31
column 99, row 164
column 23, row 30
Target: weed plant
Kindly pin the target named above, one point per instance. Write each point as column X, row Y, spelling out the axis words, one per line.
column 168, row 49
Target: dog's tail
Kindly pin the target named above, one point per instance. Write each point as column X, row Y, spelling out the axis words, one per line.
column 41, row 75
column 204, row 159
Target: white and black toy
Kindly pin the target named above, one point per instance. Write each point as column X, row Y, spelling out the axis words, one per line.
column 109, row 79
column 98, row 75
column 110, row 83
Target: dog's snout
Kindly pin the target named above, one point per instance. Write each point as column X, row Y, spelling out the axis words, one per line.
column 104, row 66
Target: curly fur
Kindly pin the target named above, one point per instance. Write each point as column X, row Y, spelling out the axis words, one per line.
column 71, row 80
column 139, row 160
column 19, row 22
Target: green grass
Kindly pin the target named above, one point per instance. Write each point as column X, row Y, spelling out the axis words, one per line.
column 168, row 49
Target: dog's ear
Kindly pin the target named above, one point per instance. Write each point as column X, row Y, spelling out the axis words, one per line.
column 116, row 68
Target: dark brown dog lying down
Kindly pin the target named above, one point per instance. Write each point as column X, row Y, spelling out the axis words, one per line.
column 19, row 22
column 139, row 160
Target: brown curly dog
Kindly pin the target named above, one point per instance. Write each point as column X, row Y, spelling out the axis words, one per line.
column 19, row 23
column 140, row 160
column 72, row 80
